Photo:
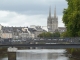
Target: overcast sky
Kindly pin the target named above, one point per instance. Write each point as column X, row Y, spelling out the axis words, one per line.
column 29, row 12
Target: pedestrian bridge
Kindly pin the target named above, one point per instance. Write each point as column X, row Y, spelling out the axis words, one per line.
column 57, row 46
column 43, row 43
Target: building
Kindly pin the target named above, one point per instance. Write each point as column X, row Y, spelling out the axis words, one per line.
column 24, row 34
column 52, row 22
column 20, row 32
column 0, row 30
column 13, row 32
column 38, row 30
column 31, row 32
column 61, row 29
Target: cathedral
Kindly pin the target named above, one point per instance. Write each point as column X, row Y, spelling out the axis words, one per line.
column 52, row 21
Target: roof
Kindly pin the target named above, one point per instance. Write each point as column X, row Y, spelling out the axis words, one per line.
column 13, row 29
column 38, row 28
column 31, row 29
column 61, row 27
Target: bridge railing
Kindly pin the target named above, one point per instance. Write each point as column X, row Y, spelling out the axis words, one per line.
column 67, row 40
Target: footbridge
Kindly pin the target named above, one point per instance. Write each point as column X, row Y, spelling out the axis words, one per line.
column 57, row 46
column 58, row 43
column 43, row 43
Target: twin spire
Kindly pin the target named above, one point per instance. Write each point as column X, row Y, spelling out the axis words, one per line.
column 50, row 11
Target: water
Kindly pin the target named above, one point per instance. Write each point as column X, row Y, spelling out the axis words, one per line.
column 41, row 54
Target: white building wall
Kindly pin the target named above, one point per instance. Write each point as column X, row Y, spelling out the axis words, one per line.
column 6, row 35
column 0, row 26
column 37, row 33
column 24, row 35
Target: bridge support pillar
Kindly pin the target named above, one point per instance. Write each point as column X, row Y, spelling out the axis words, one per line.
column 31, row 47
column 36, row 47
column 12, row 53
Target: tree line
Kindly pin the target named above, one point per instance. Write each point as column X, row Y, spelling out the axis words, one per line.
column 49, row 35
column 71, row 18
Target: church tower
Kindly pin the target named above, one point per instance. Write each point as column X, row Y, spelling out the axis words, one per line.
column 52, row 22
column 49, row 21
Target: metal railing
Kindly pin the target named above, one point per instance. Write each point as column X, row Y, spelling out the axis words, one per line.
column 67, row 40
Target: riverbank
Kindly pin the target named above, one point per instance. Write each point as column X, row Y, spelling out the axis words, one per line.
column 73, row 53
column 3, row 52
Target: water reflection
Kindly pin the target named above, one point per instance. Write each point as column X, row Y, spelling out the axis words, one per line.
column 42, row 54
column 4, row 58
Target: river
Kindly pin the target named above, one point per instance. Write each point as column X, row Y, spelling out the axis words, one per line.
column 41, row 54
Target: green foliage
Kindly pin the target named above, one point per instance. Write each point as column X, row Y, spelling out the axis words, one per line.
column 71, row 18
column 56, row 34
column 49, row 35
column 73, row 51
column 79, row 33
column 65, row 34
column 3, row 52
column 45, row 34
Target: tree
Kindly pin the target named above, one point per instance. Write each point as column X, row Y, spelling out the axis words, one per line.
column 49, row 35
column 56, row 34
column 71, row 18
column 45, row 35
column 64, row 34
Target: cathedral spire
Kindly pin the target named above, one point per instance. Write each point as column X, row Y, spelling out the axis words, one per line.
column 55, row 12
column 50, row 11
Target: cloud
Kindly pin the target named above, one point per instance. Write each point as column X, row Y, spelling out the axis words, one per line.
column 8, row 18
column 60, row 22
column 32, row 6
column 15, row 19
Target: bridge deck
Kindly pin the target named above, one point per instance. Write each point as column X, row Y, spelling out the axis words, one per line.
column 59, row 46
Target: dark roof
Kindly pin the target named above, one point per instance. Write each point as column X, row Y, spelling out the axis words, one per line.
column 38, row 28
column 31, row 29
column 13, row 29
column 64, row 28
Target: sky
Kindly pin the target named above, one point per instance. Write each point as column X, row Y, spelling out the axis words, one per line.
column 30, row 12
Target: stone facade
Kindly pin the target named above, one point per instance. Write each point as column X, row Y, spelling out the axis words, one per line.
column 52, row 22
column 61, row 29
column 6, row 35
column 20, row 32
column 38, row 31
